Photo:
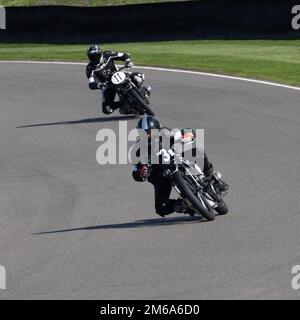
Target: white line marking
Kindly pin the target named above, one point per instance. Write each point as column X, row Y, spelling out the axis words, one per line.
column 206, row 74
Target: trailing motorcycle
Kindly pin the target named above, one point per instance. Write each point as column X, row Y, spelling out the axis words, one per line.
column 198, row 192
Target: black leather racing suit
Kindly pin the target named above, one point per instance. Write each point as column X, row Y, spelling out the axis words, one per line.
column 162, row 185
column 98, row 76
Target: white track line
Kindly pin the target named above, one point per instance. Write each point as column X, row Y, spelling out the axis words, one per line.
column 274, row 84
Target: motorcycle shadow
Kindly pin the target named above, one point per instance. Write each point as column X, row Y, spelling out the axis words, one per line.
column 81, row 121
column 148, row 223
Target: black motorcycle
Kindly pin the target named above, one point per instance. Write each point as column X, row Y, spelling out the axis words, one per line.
column 198, row 191
column 134, row 100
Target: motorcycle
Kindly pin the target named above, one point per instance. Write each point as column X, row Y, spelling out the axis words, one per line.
column 197, row 191
column 134, row 100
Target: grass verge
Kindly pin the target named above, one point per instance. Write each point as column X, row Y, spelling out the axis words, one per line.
column 273, row 60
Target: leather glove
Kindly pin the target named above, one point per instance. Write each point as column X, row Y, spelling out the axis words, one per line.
column 128, row 63
column 144, row 171
column 101, row 86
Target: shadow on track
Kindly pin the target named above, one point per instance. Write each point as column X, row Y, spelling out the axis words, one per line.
column 135, row 224
column 89, row 120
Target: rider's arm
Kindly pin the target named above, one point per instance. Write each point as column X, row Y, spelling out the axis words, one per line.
column 93, row 84
column 140, row 172
column 118, row 56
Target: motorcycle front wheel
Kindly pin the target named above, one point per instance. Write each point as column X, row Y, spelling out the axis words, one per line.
column 222, row 208
column 185, row 189
column 142, row 102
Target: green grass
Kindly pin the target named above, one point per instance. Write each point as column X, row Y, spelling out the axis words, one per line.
column 10, row 3
column 277, row 61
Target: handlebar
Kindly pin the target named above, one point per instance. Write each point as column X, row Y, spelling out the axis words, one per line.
column 124, row 67
column 118, row 69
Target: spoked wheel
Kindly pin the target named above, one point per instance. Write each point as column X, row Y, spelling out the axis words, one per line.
column 142, row 102
column 187, row 190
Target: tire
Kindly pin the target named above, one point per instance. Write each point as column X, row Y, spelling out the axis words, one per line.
column 141, row 101
column 186, row 192
column 222, row 208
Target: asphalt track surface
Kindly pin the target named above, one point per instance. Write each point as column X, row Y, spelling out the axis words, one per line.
column 71, row 228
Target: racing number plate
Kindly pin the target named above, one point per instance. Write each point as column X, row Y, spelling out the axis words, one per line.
column 118, row 77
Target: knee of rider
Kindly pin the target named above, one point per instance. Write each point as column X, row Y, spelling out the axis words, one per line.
column 107, row 108
column 160, row 207
column 159, row 211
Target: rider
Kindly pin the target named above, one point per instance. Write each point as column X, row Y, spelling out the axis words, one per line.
column 101, row 65
column 162, row 185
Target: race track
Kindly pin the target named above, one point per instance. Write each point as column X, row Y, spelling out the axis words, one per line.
column 72, row 229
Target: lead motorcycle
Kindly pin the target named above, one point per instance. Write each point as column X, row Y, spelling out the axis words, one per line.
column 134, row 100
column 198, row 191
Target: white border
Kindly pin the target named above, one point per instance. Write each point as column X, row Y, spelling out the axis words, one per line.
column 274, row 84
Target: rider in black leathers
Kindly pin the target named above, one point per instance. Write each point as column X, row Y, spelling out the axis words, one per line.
column 162, row 185
column 97, row 76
